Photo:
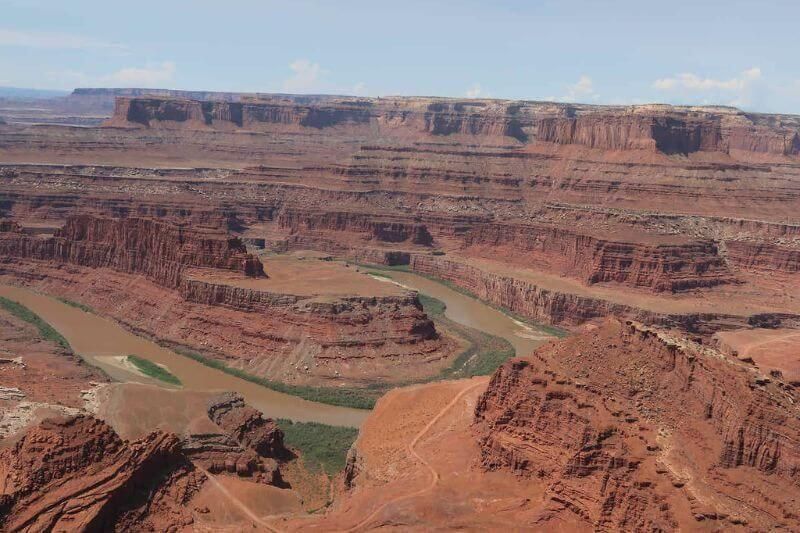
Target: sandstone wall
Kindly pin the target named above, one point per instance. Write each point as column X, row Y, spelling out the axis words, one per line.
column 660, row 267
column 271, row 334
column 158, row 250
column 657, row 128
column 763, row 258
column 553, row 307
column 379, row 228
column 600, row 418
column 76, row 474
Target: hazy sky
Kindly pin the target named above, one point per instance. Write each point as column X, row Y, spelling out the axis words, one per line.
column 743, row 53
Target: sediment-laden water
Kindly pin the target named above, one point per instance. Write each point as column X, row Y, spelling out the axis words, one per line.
column 104, row 343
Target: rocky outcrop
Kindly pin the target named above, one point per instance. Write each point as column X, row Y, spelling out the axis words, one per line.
column 179, row 113
column 199, row 304
column 248, row 444
column 529, row 299
column 763, row 257
column 159, row 250
column 668, row 132
column 643, row 197
column 365, row 225
column 247, row 426
column 220, row 454
column 629, row 131
column 9, row 226
column 614, row 420
column 668, row 267
column 76, row 474
column 666, row 129
column 540, row 429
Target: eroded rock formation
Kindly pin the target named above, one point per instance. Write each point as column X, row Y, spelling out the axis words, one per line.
column 664, row 129
column 247, row 426
column 631, row 428
column 76, row 474
column 659, row 266
column 661, row 199
column 159, row 250
column 194, row 276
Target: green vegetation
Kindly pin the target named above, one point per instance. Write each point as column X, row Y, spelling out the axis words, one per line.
column 343, row 397
column 149, row 368
column 46, row 331
column 77, row 305
column 322, row 446
column 378, row 274
column 433, row 307
column 550, row 330
column 485, row 352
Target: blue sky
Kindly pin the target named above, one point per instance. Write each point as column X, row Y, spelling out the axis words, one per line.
column 732, row 52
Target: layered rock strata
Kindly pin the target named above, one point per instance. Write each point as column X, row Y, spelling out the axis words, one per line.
column 633, row 428
column 76, row 474
column 661, row 199
column 536, row 301
column 248, row 444
column 185, row 298
column 660, row 267
column 159, row 250
column 247, row 426
column 653, row 128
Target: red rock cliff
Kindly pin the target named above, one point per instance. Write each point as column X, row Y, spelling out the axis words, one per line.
column 159, row 250
column 661, row 267
column 615, row 419
column 666, row 129
column 75, row 474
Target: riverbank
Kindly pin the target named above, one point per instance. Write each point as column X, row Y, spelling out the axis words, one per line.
column 93, row 338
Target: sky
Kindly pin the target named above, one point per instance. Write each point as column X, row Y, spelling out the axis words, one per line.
column 732, row 52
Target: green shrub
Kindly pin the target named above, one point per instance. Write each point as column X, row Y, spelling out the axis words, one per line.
column 321, row 446
column 46, row 331
column 77, row 305
column 149, row 368
column 343, row 397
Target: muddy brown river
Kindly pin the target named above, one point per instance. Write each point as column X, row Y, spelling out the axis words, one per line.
column 104, row 343
column 474, row 313
column 100, row 341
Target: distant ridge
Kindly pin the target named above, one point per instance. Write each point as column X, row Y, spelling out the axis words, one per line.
column 22, row 92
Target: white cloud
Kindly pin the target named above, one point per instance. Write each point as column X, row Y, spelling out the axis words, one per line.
column 53, row 40
column 474, row 91
column 581, row 90
column 151, row 75
column 693, row 82
column 306, row 76
column 359, row 89
column 740, row 91
column 584, row 87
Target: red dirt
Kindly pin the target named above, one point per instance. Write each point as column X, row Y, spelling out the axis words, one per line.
column 622, row 428
column 681, row 218
column 769, row 349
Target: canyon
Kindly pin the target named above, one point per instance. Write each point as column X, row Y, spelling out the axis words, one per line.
column 624, row 427
column 277, row 237
column 200, row 277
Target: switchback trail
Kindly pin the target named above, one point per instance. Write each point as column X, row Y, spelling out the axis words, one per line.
column 413, row 452
column 238, row 503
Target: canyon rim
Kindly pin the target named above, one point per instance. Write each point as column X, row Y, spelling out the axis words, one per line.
column 269, row 311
